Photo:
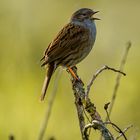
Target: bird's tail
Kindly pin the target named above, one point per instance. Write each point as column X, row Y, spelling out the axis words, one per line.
column 47, row 80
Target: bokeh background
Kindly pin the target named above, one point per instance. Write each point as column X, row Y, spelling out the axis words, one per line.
column 26, row 28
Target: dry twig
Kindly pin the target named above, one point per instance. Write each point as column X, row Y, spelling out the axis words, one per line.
column 99, row 72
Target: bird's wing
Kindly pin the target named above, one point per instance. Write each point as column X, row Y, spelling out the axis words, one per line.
column 69, row 38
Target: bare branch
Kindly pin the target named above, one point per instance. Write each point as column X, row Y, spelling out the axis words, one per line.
column 80, row 113
column 80, row 99
column 49, row 107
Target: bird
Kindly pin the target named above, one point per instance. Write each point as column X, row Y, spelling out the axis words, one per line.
column 71, row 45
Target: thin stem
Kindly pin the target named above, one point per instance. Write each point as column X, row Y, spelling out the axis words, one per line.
column 123, row 61
column 49, row 107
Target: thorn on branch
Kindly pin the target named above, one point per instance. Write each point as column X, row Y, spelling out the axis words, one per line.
column 106, row 105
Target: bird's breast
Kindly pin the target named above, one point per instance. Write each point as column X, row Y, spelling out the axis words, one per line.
column 92, row 28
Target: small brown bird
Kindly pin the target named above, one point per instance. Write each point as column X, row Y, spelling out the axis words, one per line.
column 72, row 44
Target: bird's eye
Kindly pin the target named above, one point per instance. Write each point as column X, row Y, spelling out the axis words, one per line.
column 84, row 14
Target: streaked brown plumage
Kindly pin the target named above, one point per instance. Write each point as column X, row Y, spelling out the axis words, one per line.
column 72, row 44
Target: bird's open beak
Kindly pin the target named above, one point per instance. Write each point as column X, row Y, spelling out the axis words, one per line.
column 94, row 18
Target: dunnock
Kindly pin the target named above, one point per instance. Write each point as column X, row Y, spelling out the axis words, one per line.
column 72, row 44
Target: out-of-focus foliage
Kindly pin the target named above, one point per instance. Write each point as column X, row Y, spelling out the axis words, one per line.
column 26, row 28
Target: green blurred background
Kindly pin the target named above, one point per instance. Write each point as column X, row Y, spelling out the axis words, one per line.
column 26, row 28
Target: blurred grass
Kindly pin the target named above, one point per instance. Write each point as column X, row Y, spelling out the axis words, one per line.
column 26, row 27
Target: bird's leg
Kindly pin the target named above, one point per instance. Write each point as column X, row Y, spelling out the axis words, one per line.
column 74, row 75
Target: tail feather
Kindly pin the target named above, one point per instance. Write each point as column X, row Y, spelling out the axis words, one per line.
column 47, row 80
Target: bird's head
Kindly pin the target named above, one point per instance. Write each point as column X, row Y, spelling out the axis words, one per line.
column 84, row 13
